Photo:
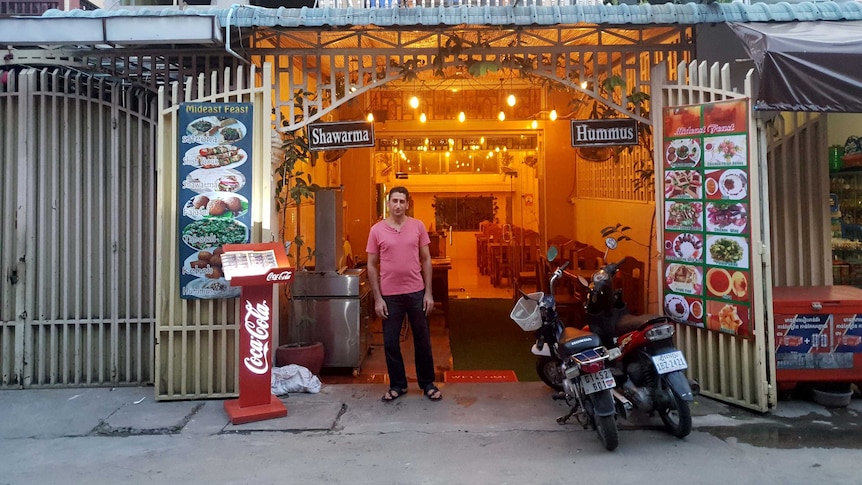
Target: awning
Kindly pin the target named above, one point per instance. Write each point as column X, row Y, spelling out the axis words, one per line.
column 806, row 66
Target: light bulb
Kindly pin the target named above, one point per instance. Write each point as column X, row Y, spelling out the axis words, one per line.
column 462, row 117
column 553, row 114
column 511, row 100
column 414, row 102
column 584, row 85
column 370, row 117
column 501, row 116
column 423, row 118
column 534, row 124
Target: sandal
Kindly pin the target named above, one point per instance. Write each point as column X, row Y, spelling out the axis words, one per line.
column 393, row 393
column 433, row 393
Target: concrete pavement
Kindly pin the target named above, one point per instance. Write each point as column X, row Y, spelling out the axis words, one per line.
column 345, row 434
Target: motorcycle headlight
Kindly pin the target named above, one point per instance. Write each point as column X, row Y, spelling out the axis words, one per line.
column 659, row 332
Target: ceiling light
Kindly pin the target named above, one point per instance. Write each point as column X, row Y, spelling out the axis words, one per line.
column 501, row 116
column 414, row 102
column 511, row 100
column 584, row 85
column 534, row 124
column 370, row 117
column 423, row 118
column 462, row 117
column 553, row 115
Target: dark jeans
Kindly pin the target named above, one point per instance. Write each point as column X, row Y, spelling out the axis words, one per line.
column 409, row 304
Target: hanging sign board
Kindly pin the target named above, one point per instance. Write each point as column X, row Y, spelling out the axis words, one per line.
column 706, row 212
column 604, row 133
column 214, row 194
column 341, row 134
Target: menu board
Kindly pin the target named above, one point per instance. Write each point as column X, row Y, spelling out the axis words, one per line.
column 705, row 209
column 214, row 149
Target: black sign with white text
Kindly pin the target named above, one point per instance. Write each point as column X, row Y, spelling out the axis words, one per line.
column 341, row 134
column 604, row 133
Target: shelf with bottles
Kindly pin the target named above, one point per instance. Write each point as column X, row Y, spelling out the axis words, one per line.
column 846, row 201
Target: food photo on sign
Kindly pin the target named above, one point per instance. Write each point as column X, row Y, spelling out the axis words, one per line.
column 727, row 216
column 728, row 284
column 728, row 251
column 684, row 246
column 686, row 309
column 684, row 278
column 726, row 184
column 683, row 184
column 725, row 151
column 682, row 153
column 727, row 317
column 684, row 216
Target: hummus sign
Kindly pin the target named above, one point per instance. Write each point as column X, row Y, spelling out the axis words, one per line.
column 341, row 134
column 604, row 133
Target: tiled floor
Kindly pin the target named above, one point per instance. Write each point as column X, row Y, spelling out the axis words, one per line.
column 464, row 282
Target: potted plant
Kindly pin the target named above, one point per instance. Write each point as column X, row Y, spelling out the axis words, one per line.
column 293, row 185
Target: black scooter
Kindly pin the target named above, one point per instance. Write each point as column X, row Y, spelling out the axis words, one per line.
column 578, row 358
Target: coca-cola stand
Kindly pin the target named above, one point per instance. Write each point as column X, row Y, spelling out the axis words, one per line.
column 256, row 267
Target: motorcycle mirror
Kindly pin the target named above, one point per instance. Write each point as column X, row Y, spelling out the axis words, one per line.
column 611, row 243
column 553, row 252
column 583, row 280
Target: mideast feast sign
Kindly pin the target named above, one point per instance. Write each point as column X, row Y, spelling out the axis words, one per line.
column 604, row 133
column 340, row 134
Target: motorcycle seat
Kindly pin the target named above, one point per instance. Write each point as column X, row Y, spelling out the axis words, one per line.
column 575, row 340
column 629, row 323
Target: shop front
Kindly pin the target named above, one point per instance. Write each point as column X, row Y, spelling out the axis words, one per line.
column 538, row 181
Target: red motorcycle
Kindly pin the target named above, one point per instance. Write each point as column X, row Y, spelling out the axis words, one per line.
column 650, row 369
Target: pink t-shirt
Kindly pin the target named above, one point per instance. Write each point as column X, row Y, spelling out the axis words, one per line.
column 398, row 251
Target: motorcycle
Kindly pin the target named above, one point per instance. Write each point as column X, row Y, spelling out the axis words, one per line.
column 650, row 371
column 578, row 358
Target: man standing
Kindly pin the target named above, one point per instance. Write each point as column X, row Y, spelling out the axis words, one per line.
column 399, row 270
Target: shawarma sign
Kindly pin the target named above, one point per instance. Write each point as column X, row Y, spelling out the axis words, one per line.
column 604, row 133
column 340, row 134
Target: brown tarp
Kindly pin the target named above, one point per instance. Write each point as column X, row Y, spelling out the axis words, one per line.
column 806, row 66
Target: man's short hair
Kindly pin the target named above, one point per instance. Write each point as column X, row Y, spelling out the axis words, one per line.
column 400, row 190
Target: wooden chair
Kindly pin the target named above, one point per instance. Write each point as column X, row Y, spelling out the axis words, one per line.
column 570, row 305
column 588, row 257
column 630, row 278
column 528, row 254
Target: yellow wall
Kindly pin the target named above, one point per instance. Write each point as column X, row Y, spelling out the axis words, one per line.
column 592, row 215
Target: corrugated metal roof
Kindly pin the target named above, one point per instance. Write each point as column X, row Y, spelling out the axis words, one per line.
column 687, row 13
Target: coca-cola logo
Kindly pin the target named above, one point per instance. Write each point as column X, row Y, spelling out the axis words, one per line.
column 257, row 325
column 283, row 276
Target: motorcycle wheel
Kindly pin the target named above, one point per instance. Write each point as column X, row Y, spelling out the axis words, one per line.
column 548, row 369
column 606, row 427
column 677, row 416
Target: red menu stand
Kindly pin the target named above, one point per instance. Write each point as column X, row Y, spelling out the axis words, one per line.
column 256, row 267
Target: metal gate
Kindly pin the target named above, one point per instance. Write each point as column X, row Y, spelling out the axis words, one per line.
column 77, row 238
column 735, row 369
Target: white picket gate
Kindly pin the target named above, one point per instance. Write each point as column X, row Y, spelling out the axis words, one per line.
column 198, row 340
column 735, row 369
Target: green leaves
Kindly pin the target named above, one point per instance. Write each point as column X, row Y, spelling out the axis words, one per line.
column 482, row 68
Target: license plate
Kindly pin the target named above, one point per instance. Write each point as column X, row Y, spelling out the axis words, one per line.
column 673, row 361
column 599, row 381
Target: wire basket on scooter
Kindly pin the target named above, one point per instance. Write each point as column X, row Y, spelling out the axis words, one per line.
column 526, row 312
